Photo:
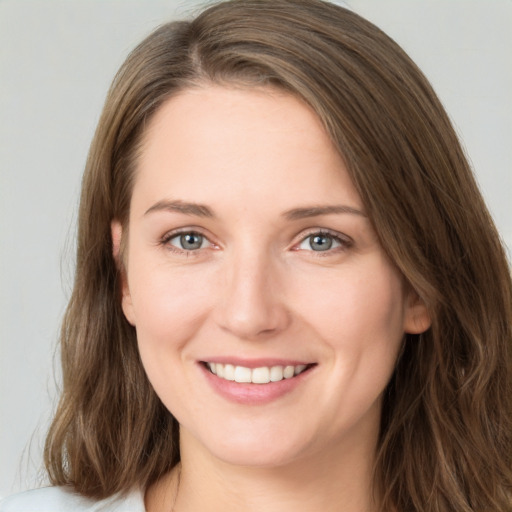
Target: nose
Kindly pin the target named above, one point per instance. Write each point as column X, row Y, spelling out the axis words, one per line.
column 252, row 305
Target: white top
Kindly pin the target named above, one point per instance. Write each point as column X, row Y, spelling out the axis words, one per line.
column 62, row 499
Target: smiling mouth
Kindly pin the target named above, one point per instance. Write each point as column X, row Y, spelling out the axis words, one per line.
column 261, row 375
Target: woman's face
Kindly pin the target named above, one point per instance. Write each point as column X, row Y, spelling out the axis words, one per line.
column 249, row 253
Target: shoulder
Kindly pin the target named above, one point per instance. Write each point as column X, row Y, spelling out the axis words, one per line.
column 63, row 499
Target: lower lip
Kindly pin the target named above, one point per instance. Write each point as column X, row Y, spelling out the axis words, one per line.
column 253, row 394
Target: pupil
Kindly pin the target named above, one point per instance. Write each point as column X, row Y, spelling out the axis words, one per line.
column 191, row 241
column 320, row 242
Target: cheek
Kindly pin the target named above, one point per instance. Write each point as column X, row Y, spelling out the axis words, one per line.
column 359, row 318
column 167, row 297
column 367, row 306
column 170, row 306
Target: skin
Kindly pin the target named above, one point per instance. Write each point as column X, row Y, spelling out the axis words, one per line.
column 257, row 288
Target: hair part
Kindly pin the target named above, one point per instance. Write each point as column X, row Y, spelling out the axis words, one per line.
column 446, row 432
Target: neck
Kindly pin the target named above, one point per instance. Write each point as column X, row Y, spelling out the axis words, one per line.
column 334, row 481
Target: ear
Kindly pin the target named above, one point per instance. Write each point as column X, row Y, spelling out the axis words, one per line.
column 416, row 317
column 126, row 299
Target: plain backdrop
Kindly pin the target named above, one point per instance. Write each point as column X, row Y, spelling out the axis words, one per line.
column 57, row 59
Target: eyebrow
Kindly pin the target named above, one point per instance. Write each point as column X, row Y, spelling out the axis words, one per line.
column 201, row 210
column 198, row 210
column 316, row 211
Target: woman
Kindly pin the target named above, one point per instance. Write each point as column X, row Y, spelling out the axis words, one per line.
column 289, row 291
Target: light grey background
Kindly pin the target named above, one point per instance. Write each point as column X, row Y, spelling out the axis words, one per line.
column 57, row 59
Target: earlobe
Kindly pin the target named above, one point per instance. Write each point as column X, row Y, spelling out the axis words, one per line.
column 417, row 317
column 126, row 300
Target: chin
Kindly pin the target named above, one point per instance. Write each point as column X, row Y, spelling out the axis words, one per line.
column 255, row 449
column 256, row 457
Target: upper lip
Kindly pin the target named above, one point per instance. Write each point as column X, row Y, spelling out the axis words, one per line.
column 256, row 363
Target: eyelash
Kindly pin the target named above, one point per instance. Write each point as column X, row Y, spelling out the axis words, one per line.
column 166, row 239
column 344, row 242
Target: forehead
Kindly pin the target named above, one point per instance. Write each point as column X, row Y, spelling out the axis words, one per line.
column 214, row 141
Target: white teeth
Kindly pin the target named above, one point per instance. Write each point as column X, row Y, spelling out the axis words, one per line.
column 242, row 374
column 299, row 369
column 261, row 375
column 229, row 372
column 288, row 372
column 276, row 373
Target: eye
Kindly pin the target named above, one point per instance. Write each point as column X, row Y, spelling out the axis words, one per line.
column 188, row 241
column 321, row 242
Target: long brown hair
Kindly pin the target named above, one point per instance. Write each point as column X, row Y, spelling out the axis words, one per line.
column 446, row 430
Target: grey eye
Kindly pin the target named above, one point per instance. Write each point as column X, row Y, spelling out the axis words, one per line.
column 188, row 241
column 319, row 242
